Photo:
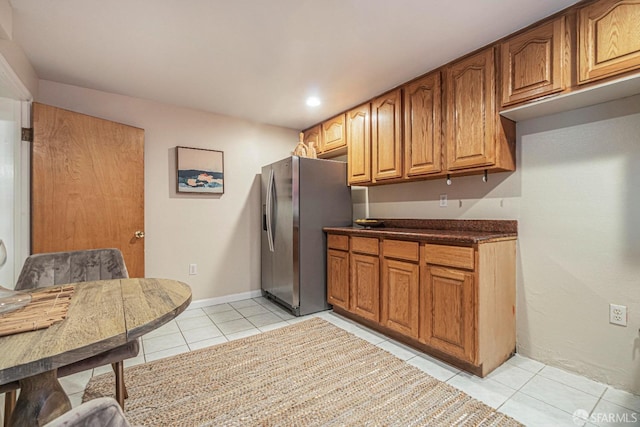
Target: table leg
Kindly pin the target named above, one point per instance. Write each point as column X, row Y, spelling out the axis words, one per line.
column 41, row 400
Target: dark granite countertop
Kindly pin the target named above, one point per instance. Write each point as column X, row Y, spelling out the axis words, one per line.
column 437, row 231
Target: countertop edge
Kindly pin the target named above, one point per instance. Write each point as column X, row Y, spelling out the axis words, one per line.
column 428, row 236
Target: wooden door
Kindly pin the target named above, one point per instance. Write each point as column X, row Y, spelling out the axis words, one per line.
column 400, row 296
column 365, row 286
column 608, row 39
column 536, row 63
column 470, row 128
column 338, row 278
column 423, row 126
column 312, row 136
column 359, row 144
column 87, row 185
column 333, row 134
column 447, row 308
column 386, row 135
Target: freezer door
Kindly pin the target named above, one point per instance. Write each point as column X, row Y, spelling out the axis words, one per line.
column 285, row 199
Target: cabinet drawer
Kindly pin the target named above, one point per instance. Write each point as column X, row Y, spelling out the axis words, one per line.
column 401, row 250
column 365, row 245
column 337, row 241
column 453, row 256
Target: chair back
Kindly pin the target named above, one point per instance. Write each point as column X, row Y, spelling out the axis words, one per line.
column 59, row 268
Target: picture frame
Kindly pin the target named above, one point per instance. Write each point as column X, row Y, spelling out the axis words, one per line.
column 199, row 170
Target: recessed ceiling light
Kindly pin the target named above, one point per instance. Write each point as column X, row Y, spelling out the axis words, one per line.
column 313, row 101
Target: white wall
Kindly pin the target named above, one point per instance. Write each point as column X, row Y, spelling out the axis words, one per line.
column 221, row 234
column 576, row 196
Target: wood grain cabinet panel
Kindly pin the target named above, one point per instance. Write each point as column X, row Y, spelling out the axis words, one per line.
column 359, row 144
column 312, row 136
column 386, row 136
column 448, row 309
column 608, row 39
column 365, row 286
column 535, row 63
column 423, row 126
column 333, row 134
column 476, row 137
column 470, row 106
column 400, row 303
column 338, row 278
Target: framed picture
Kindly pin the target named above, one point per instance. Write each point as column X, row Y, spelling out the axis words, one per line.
column 200, row 170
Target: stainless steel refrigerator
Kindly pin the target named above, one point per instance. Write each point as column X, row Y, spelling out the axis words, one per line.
column 299, row 197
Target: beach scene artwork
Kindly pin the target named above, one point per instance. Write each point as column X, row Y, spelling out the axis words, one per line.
column 200, row 170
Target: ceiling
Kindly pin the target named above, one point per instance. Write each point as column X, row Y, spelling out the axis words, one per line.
column 258, row 59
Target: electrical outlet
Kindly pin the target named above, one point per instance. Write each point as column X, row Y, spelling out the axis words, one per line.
column 443, row 200
column 193, row 269
column 618, row 314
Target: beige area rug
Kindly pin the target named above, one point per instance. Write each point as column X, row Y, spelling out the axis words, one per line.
column 309, row 374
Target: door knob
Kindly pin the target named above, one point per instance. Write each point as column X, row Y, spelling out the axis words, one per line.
column 139, row 234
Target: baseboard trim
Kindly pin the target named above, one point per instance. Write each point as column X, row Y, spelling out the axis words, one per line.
column 225, row 299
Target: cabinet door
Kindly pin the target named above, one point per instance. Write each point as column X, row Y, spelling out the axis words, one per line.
column 333, row 134
column 470, row 129
column 312, row 136
column 608, row 39
column 365, row 286
column 400, row 296
column 447, row 311
column 359, row 144
column 386, row 135
column 534, row 63
column 422, row 126
column 338, row 278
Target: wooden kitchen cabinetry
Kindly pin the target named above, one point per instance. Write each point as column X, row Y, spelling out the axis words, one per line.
column 333, row 134
column 386, row 136
column 608, row 39
column 312, row 136
column 456, row 302
column 359, row 144
column 448, row 300
column 537, row 62
column 365, row 278
column 400, row 286
column 422, row 126
column 476, row 137
column 338, row 270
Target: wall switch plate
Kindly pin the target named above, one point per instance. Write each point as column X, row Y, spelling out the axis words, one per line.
column 443, row 200
column 618, row 314
column 193, row 269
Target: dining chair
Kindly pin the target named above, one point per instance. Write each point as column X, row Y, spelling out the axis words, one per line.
column 103, row 412
column 58, row 268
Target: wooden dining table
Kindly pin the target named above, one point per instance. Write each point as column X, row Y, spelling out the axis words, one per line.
column 102, row 315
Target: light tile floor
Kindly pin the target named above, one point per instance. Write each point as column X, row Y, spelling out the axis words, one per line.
column 527, row 390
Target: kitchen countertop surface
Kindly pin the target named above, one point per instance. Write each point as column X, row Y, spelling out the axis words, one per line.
column 437, row 231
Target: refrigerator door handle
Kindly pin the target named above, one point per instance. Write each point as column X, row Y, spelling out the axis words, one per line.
column 270, row 211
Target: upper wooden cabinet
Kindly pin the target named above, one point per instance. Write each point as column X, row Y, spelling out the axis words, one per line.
column 475, row 136
column 536, row 63
column 333, row 134
column 359, row 144
column 312, row 136
column 423, row 126
column 608, row 39
column 386, row 135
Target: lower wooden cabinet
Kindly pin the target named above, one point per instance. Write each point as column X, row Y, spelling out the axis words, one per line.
column 338, row 278
column 365, row 286
column 447, row 321
column 400, row 286
column 454, row 302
